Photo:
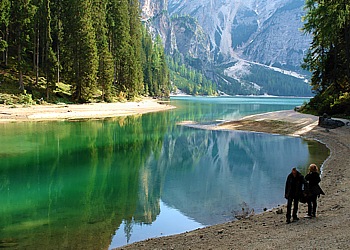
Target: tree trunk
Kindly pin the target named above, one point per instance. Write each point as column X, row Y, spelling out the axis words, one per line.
column 37, row 58
column 20, row 73
column 7, row 48
column 47, row 67
column 346, row 41
column 347, row 51
column 58, row 62
column 47, row 92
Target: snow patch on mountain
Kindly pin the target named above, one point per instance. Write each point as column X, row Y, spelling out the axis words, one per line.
column 241, row 68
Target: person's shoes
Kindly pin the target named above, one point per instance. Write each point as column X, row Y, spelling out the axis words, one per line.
column 313, row 215
column 308, row 216
column 288, row 221
column 295, row 218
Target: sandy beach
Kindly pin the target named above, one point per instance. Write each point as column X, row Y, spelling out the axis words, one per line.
column 80, row 111
column 329, row 230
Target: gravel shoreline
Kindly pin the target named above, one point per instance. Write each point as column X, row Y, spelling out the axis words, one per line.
column 329, row 230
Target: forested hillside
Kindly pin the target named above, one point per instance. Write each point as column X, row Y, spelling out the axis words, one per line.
column 78, row 50
column 189, row 79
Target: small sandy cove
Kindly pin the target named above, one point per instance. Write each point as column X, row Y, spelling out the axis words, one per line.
column 329, row 230
column 80, row 111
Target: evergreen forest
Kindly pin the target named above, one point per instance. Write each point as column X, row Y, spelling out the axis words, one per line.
column 189, row 79
column 78, row 51
column 328, row 57
column 98, row 50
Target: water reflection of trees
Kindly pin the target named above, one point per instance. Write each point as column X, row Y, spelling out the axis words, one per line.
column 73, row 183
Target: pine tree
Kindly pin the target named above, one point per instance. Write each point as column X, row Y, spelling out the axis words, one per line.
column 57, row 34
column 50, row 57
column 165, row 78
column 161, row 83
column 80, row 48
column 4, row 28
column 44, row 55
column 21, row 28
column 328, row 57
column 146, row 58
column 156, row 69
column 105, row 61
column 135, row 82
column 329, row 53
column 37, row 26
column 119, row 28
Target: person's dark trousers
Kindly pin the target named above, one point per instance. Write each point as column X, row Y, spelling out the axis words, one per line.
column 312, row 205
column 295, row 201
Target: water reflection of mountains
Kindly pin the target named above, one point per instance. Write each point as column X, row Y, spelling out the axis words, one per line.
column 62, row 182
column 209, row 174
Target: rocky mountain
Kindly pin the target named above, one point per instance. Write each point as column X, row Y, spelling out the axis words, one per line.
column 179, row 33
column 233, row 36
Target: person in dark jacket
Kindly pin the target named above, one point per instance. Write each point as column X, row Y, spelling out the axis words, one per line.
column 313, row 179
column 293, row 192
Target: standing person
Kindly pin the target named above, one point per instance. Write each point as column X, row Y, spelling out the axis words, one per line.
column 293, row 192
column 313, row 178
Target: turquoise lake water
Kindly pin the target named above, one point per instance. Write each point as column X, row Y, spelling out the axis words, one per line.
column 99, row 184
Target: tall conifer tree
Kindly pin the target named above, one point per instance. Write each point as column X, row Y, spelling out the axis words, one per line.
column 120, row 42
column 105, row 62
column 146, row 57
column 4, row 25
column 328, row 57
column 135, row 82
column 23, row 11
column 81, row 51
column 57, row 34
column 45, row 56
column 50, row 65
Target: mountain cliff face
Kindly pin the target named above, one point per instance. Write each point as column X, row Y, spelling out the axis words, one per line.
column 263, row 31
column 179, row 33
column 279, row 40
column 232, row 32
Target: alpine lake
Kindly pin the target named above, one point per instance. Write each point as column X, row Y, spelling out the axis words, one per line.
column 101, row 184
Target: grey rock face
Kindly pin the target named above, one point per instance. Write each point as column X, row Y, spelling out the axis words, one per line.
column 179, row 33
column 152, row 8
column 279, row 39
column 189, row 38
column 263, row 31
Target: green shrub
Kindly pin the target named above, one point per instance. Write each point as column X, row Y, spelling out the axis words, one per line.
column 26, row 99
